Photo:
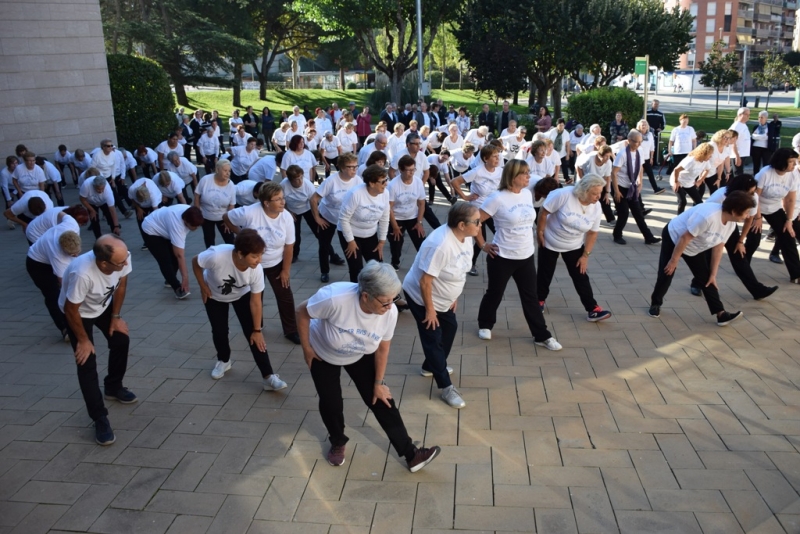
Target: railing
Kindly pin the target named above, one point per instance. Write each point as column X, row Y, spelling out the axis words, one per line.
column 744, row 30
column 746, row 13
column 790, row 5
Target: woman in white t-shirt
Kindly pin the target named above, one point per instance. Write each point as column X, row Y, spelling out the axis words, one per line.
column 690, row 174
column 216, row 195
column 454, row 141
column 432, row 288
column 777, row 198
column 347, row 138
column 298, row 155
column 537, row 160
column 703, row 227
column 171, row 187
column 96, row 196
column 720, row 162
column 364, row 220
column 329, row 149
column 599, row 164
column 146, row 197
column 184, row 168
column 350, row 326
column 164, row 233
column 407, row 208
column 275, row 226
column 461, row 159
column 510, row 255
column 230, row 275
column 233, row 124
column 567, row 227
column 279, row 138
column 682, row 140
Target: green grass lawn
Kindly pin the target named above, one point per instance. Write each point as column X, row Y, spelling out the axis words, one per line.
column 705, row 121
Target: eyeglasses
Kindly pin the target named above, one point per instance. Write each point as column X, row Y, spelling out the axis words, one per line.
column 381, row 182
column 476, row 222
column 120, row 265
column 108, row 146
column 410, row 170
column 386, row 304
column 415, row 144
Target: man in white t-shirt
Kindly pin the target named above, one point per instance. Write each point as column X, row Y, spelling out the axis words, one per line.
column 29, row 176
column 26, row 208
column 244, row 157
column 741, row 148
column 92, row 293
column 379, row 144
column 164, row 232
column 626, row 182
column 560, row 137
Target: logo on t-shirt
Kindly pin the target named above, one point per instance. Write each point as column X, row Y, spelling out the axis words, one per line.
column 228, row 285
column 107, row 295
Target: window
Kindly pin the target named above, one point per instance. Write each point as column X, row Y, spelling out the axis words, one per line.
column 693, row 10
column 728, row 8
column 709, row 42
column 690, row 63
column 726, row 24
column 726, row 40
column 711, row 25
column 706, row 56
column 711, row 9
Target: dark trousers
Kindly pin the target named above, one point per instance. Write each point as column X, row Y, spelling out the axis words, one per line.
column 785, row 242
column 47, row 282
column 738, row 170
column 431, row 217
column 693, row 193
column 701, row 270
column 761, row 158
column 333, row 163
column 547, row 268
column 476, row 250
column 284, row 298
column 565, row 168
column 436, row 343
column 208, row 232
column 117, row 363
column 147, row 169
column 648, row 170
column 436, row 176
column 364, row 253
column 608, row 213
column 236, row 178
column 741, row 264
column 710, row 183
column 396, row 244
column 94, row 224
column 161, row 249
column 218, row 317
column 56, row 190
column 312, row 224
column 327, row 381
column 146, row 212
column 676, row 159
column 499, row 271
column 325, row 249
column 209, row 164
column 187, row 151
column 796, row 226
column 624, row 208
column 120, row 191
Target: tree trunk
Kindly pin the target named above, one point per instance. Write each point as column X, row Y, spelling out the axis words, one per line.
column 180, row 92
column 516, row 98
column 295, row 71
column 541, row 95
column 396, row 82
column 237, row 84
column 444, row 57
column 766, row 106
column 262, row 77
column 460, row 77
column 716, row 113
column 115, row 34
column 341, row 79
column 556, row 93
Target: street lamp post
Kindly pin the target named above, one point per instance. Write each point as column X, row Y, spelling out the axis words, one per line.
column 693, row 55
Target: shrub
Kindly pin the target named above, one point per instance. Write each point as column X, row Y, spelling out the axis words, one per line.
column 352, row 85
column 600, row 105
column 144, row 107
column 377, row 99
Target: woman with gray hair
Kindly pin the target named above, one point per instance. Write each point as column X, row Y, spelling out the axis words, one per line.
column 351, row 325
column 760, row 151
column 185, row 169
column 215, row 196
column 567, row 227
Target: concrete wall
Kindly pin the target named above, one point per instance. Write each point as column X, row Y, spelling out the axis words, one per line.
column 53, row 76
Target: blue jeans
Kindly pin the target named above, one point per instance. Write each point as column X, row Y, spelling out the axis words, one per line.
column 436, row 344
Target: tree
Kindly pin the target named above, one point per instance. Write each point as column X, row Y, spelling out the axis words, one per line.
column 719, row 70
column 341, row 55
column 775, row 71
column 444, row 50
column 394, row 20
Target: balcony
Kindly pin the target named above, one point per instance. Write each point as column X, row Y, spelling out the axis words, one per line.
column 746, row 13
column 788, row 21
column 763, row 17
column 790, row 5
column 744, row 30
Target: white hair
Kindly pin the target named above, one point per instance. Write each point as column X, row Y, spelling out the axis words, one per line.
column 763, row 113
column 587, row 182
column 742, row 111
column 379, row 280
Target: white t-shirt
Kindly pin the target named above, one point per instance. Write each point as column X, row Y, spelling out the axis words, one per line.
column 330, row 148
column 263, row 170
column 704, row 222
column 395, row 144
column 511, row 144
column 349, row 141
column 29, row 179
column 774, row 188
column 451, row 145
column 587, row 162
column 682, row 139
column 94, row 198
column 553, row 134
column 332, row 191
column 473, row 138
column 323, row 125
column 305, row 161
column 541, row 168
column 240, row 140
column 20, row 207
column 84, row 282
column 341, row 333
column 459, row 162
column 718, row 158
column 84, row 164
column 175, row 187
column 433, row 160
column 66, row 159
column 242, row 160
column 297, row 197
column 208, row 146
column 365, row 152
column 276, row 233
column 743, row 141
column 692, row 169
column 185, row 169
column 279, row 137
column 106, row 164
column 513, row 216
column 404, row 198
column 47, row 249
column 484, row 183
column 569, row 220
column 167, row 223
column 646, row 146
column 164, row 148
column 299, row 119
column 361, row 214
column 244, row 193
column 224, row 280
column 51, row 173
column 447, row 260
column 420, row 162
column 215, row 199
column 47, row 220
column 155, row 192
column 621, row 163
column 719, row 196
column 234, row 123
column 574, row 140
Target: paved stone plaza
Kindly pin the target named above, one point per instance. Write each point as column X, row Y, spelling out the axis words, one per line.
column 639, row 425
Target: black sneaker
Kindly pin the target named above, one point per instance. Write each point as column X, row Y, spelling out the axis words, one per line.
column 337, row 260
column 654, row 241
column 620, row 241
column 452, row 200
column 336, row 456
column 473, row 271
column 123, row 395
column 654, row 311
column 294, row 338
column 422, row 457
column 771, row 235
column 696, row 291
column 396, row 266
column 769, row 291
column 775, row 258
column 103, row 434
column 144, row 247
column 324, row 278
column 659, row 191
column 647, row 212
column 727, row 318
column 180, row 294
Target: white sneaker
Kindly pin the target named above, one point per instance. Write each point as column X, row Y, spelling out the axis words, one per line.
column 425, row 373
column 550, row 344
column 11, row 225
column 485, row 333
column 274, row 382
column 453, row 398
column 220, row 369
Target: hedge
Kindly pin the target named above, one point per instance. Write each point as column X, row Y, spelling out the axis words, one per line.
column 601, row 105
column 144, row 107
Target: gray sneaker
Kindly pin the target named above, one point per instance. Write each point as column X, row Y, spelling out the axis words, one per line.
column 453, row 398
column 274, row 383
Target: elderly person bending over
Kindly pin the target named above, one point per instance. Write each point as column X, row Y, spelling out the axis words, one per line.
column 351, row 325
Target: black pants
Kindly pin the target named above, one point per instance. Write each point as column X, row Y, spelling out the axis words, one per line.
column 312, row 225
column 161, row 249
column 236, row 178
column 436, row 176
column 94, row 224
column 547, row 268
column 327, row 381
column 396, row 245
column 431, row 217
column 761, row 158
column 785, row 242
column 333, row 163
column 624, row 208
column 796, row 227
column 47, row 282
column 120, row 191
column 146, row 212
column 693, row 193
column 741, row 264
column 364, row 253
column 218, row 317
column 147, row 169
column 648, row 169
column 709, row 183
column 208, row 232
column 283, row 297
column 268, row 140
column 676, row 159
column 700, row 268
column 565, row 168
column 187, row 151
column 476, row 250
column 608, row 213
column 738, row 170
column 325, row 250
column 56, row 190
column 117, row 363
column 499, row 271
column 436, row 343
column 210, row 164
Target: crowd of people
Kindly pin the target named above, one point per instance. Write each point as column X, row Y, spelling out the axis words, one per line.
column 541, row 198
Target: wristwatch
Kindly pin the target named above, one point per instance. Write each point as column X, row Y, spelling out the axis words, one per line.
column 380, row 382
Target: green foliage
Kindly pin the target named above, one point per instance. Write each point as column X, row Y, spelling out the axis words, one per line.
column 600, row 105
column 144, row 107
column 720, row 70
column 776, row 71
column 378, row 98
column 352, row 85
column 792, row 58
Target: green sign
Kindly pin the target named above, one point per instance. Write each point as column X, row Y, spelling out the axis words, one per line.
column 640, row 66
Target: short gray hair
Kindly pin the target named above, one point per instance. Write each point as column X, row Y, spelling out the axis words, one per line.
column 586, row 184
column 742, row 111
column 379, row 280
column 483, row 130
column 634, row 134
column 763, row 113
column 172, row 154
column 99, row 182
